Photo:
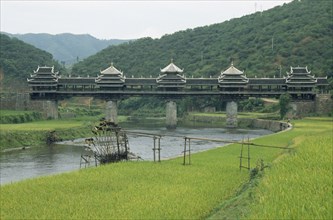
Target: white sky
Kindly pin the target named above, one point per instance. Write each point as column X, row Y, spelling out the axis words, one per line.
column 121, row 19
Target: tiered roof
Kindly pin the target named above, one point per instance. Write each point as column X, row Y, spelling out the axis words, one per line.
column 171, row 68
column 44, row 76
column 232, row 77
column 170, row 77
column 300, row 77
column 110, row 77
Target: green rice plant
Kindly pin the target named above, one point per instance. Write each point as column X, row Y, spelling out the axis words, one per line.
column 300, row 185
column 169, row 190
column 287, row 186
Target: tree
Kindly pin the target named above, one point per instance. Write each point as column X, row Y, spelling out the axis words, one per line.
column 284, row 104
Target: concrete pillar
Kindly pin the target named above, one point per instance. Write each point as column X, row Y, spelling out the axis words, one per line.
column 171, row 115
column 52, row 109
column 323, row 103
column 111, row 111
column 231, row 110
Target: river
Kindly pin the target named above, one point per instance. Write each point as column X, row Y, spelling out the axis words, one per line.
column 39, row 161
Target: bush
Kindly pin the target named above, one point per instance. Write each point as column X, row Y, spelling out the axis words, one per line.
column 15, row 117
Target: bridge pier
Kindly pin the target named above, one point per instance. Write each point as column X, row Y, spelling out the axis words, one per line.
column 111, row 111
column 231, row 110
column 52, row 109
column 171, row 115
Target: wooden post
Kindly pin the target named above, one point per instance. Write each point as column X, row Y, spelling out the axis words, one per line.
column 117, row 139
column 159, row 149
column 185, row 138
column 189, row 151
column 154, row 148
column 241, row 156
column 248, row 153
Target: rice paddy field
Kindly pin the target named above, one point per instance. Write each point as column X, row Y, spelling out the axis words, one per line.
column 296, row 185
column 299, row 185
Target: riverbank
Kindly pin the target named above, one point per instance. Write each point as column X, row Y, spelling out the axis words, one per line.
column 23, row 135
column 245, row 120
column 65, row 156
column 37, row 133
column 170, row 190
column 32, row 134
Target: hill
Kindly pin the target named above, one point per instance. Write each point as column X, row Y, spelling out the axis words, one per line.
column 18, row 60
column 263, row 44
column 67, row 48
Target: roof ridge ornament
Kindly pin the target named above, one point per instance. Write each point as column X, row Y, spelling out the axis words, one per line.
column 171, row 68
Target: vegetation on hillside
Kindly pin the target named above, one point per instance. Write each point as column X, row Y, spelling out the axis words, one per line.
column 18, row 60
column 298, row 33
column 67, row 48
column 298, row 181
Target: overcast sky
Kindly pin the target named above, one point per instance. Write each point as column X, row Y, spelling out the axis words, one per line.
column 121, row 19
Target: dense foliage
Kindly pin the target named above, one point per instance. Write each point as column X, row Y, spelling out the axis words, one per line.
column 298, row 33
column 67, row 48
column 18, row 60
column 284, row 104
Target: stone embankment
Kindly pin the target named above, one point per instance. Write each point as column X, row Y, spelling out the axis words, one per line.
column 271, row 125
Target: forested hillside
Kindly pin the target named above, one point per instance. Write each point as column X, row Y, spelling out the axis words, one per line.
column 298, row 33
column 18, row 60
column 67, row 48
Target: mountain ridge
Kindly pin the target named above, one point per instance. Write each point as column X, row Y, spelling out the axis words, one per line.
column 264, row 44
column 67, row 48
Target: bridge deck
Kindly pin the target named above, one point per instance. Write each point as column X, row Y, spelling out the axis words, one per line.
column 86, row 86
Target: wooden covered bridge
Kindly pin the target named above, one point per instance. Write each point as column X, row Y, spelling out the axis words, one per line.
column 231, row 85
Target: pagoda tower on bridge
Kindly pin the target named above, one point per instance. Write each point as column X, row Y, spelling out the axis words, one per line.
column 300, row 78
column 44, row 78
column 110, row 78
column 170, row 78
column 232, row 79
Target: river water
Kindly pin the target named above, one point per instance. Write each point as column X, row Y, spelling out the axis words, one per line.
column 39, row 161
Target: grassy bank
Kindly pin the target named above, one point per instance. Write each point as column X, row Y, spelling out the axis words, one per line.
column 36, row 133
column 11, row 116
column 297, row 185
column 146, row 190
column 300, row 185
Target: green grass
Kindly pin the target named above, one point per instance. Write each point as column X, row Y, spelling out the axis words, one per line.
column 169, row 190
column 12, row 112
column 12, row 116
column 42, row 125
column 300, row 185
column 53, row 124
column 35, row 133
